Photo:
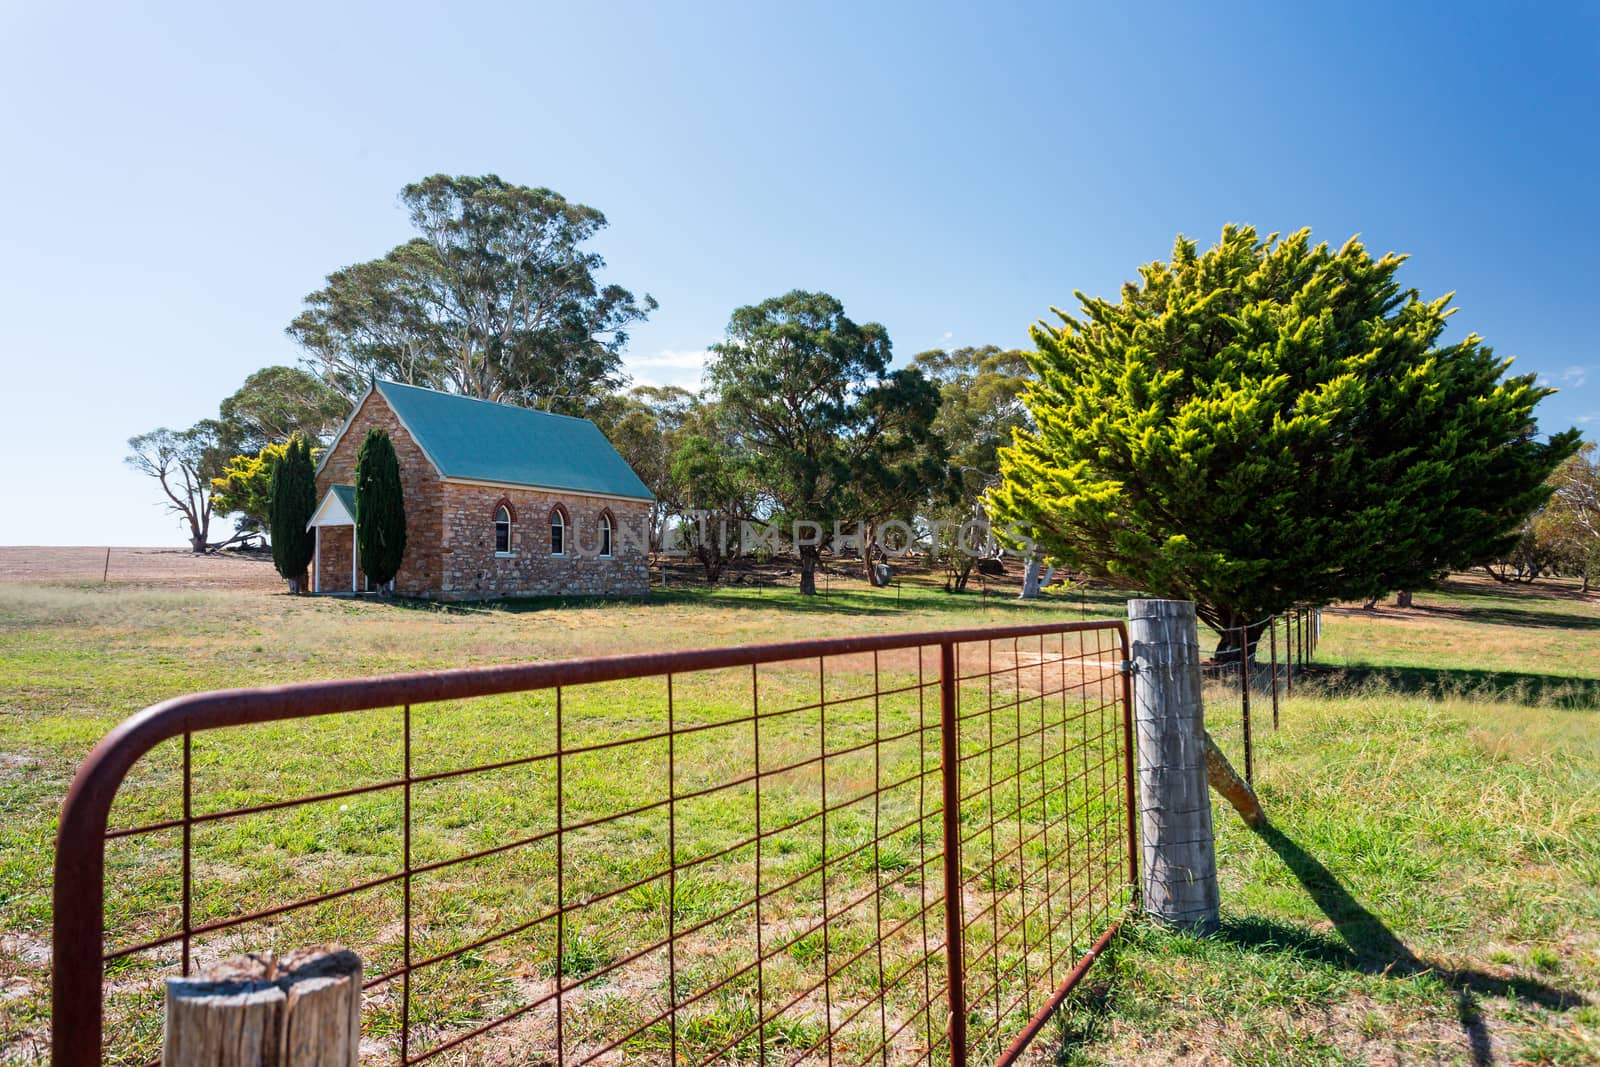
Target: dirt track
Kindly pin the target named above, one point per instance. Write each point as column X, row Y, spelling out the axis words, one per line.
column 173, row 567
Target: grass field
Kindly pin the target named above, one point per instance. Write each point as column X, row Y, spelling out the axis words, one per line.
column 1430, row 889
column 1429, row 892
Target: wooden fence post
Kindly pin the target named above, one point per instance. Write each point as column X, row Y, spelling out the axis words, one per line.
column 1273, row 629
column 1179, row 883
column 303, row 1010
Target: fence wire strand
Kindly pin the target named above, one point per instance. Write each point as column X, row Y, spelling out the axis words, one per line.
column 692, row 858
column 1280, row 650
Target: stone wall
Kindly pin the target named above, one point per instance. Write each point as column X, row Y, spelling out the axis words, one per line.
column 333, row 560
column 420, row 572
column 472, row 568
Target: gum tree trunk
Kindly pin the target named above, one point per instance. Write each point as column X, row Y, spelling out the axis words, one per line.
column 1035, row 576
column 808, row 570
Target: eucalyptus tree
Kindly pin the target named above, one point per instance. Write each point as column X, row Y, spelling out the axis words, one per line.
column 807, row 394
column 494, row 298
column 980, row 407
column 183, row 463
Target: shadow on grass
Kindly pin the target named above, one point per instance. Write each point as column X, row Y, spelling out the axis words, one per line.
column 1082, row 1019
column 1541, row 590
column 1470, row 683
column 782, row 599
column 1529, row 617
column 1372, row 948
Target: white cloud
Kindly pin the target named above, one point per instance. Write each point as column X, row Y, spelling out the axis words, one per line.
column 669, row 358
column 668, row 367
column 1575, row 376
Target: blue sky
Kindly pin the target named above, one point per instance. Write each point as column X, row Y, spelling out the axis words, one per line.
column 178, row 178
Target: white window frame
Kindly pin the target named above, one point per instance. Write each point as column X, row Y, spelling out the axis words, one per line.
column 607, row 533
column 510, row 551
column 558, row 520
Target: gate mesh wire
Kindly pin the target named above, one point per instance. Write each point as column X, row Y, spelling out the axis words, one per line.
column 741, row 864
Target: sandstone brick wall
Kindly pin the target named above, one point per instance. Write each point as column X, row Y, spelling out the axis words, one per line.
column 471, row 568
column 333, row 560
column 450, row 531
column 420, row 573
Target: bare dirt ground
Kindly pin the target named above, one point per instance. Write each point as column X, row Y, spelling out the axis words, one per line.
column 172, row 567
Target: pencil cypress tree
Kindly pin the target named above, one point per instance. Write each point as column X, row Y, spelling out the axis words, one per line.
column 1269, row 424
column 292, row 498
column 380, row 509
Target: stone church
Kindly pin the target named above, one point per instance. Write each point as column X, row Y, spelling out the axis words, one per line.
column 500, row 501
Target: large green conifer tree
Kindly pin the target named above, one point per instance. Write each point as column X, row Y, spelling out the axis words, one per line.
column 380, row 509
column 1269, row 424
column 292, row 499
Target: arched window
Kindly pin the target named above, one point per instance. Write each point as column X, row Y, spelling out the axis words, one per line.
column 605, row 535
column 558, row 532
column 502, row 531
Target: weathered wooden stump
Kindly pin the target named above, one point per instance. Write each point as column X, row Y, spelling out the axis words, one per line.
column 301, row 1010
column 1179, row 884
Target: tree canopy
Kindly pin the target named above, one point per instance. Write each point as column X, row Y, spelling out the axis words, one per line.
column 252, row 432
column 1565, row 534
column 1575, row 487
column 906, row 467
column 494, row 299
column 808, row 394
column 644, row 425
column 980, row 407
column 275, row 403
column 1271, row 423
column 245, row 486
column 718, row 488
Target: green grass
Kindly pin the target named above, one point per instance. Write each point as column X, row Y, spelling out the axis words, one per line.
column 77, row 659
column 1430, row 891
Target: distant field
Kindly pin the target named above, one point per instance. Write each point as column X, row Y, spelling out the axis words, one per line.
column 168, row 567
column 1430, row 894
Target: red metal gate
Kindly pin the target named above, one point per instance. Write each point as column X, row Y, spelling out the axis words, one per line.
column 893, row 849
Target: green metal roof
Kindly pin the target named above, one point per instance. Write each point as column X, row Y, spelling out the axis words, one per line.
column 491, row 442
column 347, row 497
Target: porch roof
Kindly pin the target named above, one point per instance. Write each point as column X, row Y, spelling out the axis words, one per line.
column 338, row 508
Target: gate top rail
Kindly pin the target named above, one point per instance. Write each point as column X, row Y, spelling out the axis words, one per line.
column 95, row 784
column 78, row 897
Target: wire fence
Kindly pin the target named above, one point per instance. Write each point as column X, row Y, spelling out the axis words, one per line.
column 898, row 850
column 1257, row 683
